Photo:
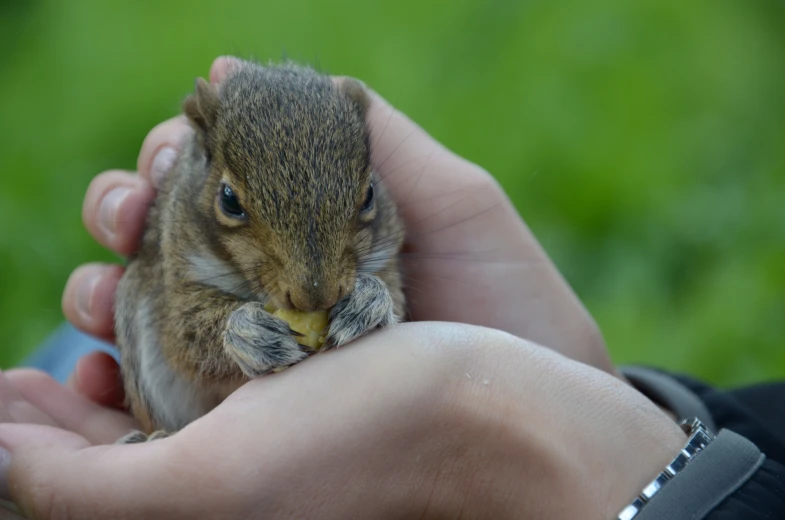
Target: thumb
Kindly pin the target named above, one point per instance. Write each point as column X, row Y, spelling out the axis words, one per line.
column 53, row 473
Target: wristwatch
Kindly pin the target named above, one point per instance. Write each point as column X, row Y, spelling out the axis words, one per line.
column 699, row 438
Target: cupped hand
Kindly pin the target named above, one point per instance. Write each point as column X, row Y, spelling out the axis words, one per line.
column 32, row 397
column 468, row 257
column 422, row 420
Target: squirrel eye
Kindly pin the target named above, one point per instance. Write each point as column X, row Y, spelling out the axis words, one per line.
column 368, row 204
column 229, row 203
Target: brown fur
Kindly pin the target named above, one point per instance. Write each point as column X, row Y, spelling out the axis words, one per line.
column 295, row 150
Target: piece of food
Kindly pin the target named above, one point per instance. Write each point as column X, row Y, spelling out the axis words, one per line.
column 312, row 325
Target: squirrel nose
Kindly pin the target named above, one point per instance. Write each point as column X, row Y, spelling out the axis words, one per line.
column 314, row 296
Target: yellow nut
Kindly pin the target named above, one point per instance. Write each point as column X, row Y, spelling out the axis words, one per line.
column 312, row 325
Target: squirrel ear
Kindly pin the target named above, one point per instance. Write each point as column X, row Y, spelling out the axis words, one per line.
column 201, row 107
column 356, row 92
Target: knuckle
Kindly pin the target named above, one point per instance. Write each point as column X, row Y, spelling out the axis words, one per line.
column 490, row 183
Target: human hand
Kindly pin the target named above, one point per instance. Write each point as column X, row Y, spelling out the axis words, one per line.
column 422, row 420
column 33, row 398
column 469, row 258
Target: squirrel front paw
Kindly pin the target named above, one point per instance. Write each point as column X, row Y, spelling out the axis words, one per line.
column 368, row 307
column 259, row 342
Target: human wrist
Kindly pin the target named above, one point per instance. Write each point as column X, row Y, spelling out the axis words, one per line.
column 494, row 453
column 516, row 456
column 699, row 438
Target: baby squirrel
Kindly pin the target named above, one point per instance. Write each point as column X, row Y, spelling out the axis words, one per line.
column 273, row 200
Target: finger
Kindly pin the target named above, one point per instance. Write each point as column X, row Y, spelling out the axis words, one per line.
column 160, row 149
column 14, row 408
column 222, row 66
column 163, row 144
column 97, row 377
column 55, row 471
column 115, row 208
column 98, row 424
column 88, row 299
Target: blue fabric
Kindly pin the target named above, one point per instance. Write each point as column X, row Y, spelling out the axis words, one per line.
column 60, row 352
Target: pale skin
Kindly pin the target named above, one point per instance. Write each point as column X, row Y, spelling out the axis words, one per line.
column 422, row 420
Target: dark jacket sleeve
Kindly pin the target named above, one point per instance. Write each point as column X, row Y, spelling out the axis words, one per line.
column 761, row 497
column 741, row 475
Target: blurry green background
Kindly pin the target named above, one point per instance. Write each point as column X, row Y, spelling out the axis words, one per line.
column 643, row 142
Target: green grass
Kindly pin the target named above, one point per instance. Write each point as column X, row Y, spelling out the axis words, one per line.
column 643, row 142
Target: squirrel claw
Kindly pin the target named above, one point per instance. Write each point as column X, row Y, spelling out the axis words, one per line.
column 367, row 308
column 309, row 349
column 137, row 437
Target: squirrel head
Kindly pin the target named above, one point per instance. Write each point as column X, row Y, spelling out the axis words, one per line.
column 289, row 197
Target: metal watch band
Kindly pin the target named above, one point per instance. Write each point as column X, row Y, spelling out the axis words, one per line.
column 699, row 438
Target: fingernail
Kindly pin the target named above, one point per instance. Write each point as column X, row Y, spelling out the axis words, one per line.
column 107, row 212
column 84, row 295
column 162, row 163
column 5, row 463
